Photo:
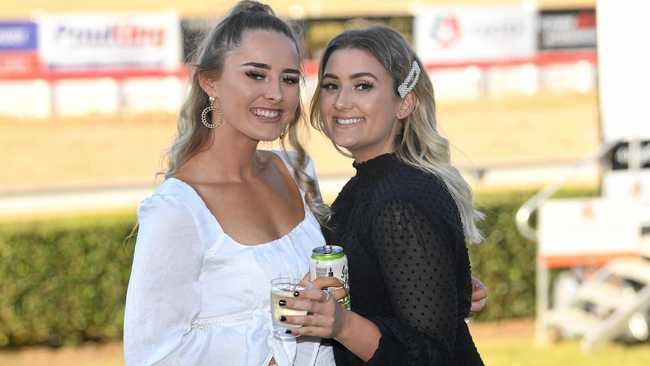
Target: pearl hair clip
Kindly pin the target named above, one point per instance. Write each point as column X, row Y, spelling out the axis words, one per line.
column 411, row 79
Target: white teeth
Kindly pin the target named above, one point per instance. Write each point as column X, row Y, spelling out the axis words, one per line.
column 266, row 113
column 348, row 121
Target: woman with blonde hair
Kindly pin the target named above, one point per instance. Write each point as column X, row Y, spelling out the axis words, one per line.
column 229, row 217
column 403, row 219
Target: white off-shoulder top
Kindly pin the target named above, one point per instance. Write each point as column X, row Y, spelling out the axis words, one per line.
column 198, row 297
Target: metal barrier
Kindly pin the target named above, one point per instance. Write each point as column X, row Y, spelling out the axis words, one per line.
column 522, row 219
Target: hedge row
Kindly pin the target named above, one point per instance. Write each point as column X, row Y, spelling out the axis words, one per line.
column 64, row 281
column 505, row 261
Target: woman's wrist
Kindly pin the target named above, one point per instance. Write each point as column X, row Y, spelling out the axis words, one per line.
column 351, row 325
column 344, row 327
column 358, row 334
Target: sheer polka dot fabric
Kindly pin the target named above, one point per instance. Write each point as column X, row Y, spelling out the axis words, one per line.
column 409, row 267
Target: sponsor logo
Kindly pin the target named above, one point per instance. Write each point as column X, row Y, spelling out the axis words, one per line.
column 112, row 35
column 504, row 29
column 446, row 30
column 17, row 36
column 12, row 37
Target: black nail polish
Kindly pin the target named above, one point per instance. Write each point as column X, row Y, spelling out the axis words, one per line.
column 282, row 302
column 288, row 331
column 283, row 318
column 296, row 293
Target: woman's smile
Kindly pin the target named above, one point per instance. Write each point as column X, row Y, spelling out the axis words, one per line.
column 267, row 115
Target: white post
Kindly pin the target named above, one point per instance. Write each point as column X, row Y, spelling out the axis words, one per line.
column 542, row 305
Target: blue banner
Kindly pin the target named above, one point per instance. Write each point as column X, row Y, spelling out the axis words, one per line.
column 18, row 36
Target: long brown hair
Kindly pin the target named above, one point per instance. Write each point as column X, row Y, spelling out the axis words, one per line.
column 419, row 144
column 208, row 61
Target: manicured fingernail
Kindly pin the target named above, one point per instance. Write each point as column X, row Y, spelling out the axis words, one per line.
column 282, row 302
column 296, row 293
column 283, row 318
column 288, row 331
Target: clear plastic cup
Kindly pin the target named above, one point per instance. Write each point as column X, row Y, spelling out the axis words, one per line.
column 284, row 287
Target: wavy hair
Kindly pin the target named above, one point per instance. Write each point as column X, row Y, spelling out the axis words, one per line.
column 208, row 60
column 418, row 144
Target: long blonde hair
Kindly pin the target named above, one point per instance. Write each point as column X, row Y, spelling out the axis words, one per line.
column 208, row 60
column 419, row 144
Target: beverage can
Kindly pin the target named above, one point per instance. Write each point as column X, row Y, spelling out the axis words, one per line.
column 330, row 261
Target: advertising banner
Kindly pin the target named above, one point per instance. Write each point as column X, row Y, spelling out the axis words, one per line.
column 567, row 29
column 18, row 44
column 462, row 34
column 95, row 41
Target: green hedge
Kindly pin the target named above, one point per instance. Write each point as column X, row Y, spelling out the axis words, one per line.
column 505, row 261
column 63, row 281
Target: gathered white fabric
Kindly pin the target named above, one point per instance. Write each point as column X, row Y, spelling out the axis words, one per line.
column 198, row 297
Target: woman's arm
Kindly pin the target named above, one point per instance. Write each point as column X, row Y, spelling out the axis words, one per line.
column 416, row 260
column 163, row 294
column 328, row 319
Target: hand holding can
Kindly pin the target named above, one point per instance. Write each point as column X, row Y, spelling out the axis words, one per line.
column 331, row 261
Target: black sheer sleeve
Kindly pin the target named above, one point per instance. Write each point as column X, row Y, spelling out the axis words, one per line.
column 415, row 253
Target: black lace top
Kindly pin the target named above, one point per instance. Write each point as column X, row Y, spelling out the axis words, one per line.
column 409, row 267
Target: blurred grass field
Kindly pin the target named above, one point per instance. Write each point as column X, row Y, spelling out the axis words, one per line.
column 122, row 150
column 517, row 351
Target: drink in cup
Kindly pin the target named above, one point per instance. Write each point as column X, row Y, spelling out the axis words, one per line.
column 284, row 288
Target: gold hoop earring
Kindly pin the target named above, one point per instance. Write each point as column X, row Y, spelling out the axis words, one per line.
column 217, row 115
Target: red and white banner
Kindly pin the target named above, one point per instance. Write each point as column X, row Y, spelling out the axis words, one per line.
column 460, row 34
column 94, row 41
column 18, row 45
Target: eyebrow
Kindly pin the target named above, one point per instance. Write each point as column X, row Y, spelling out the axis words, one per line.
column 268, row 67
column 353, row 76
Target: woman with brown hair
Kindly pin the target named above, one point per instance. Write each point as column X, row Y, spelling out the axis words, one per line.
column 229, row 217
column 403, row 219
